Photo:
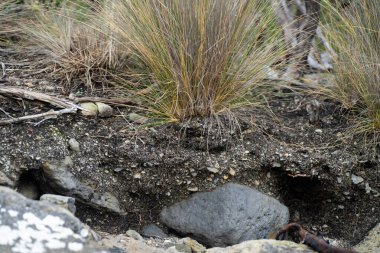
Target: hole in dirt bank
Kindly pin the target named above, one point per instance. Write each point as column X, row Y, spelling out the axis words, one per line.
column 306, row 197
column 27, row 184
column 344, row 213
column 302, row 188
column 142, row 210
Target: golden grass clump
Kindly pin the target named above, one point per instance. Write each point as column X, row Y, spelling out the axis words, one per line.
column 9, row 12
column 354, row 31
column 75, row 50
column 202, row 56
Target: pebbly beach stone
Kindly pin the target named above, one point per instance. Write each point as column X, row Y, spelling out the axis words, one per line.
column 32, row 226
column 228, row 215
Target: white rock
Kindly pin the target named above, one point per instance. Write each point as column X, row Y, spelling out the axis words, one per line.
column 356, row 179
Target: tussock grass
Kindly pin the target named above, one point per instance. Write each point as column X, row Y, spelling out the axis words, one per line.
column 354, row 31
column 9, row 14
column 201, row 56
column 75, row 51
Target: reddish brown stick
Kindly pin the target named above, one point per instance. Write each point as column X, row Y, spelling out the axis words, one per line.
column 298, row 234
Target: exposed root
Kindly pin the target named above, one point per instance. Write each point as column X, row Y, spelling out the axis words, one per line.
column 296, row 233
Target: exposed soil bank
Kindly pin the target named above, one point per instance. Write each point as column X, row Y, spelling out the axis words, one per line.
column 304, row 165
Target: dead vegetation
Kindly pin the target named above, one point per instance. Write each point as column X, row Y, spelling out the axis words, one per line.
column 355, row 33
column 196, row 59
column 77, row 48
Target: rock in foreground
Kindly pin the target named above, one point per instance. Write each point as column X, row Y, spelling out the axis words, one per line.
column 229, row 215
column 371, row 242
column 28, row 226
column 264, row 246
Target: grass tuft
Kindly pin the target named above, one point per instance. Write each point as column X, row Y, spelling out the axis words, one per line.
column 202, row 56
column 354, row 32
column 75, row 50
column 10, row 13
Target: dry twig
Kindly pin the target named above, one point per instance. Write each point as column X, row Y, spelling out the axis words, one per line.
column 46, row 115
column 67, row 105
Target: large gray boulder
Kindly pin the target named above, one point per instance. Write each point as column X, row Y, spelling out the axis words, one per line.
column 29, row 226
column 229, row 215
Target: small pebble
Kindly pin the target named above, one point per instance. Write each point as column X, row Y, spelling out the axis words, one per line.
column 133, row 234
column 356, row 179
column 212, row 169
column 192, row 189
column 89, row 109
column 104, row 110
column 74, row 145
column 137, row 176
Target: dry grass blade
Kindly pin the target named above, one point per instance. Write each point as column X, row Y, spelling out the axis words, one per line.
column 354, row 31
column 10, row 13
column 75, row 50
column 202, row 56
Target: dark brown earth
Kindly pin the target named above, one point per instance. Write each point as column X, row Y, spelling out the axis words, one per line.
column 306, row 166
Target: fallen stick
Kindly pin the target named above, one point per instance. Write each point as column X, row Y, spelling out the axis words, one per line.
column 69, row 105
column 295, row 232
column 46, row 115
column 61, row 102
column 111, row 101
column 32, row 95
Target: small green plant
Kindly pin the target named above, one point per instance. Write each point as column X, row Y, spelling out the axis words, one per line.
column 354, row 32
column 201, row 56
column 76, row 51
